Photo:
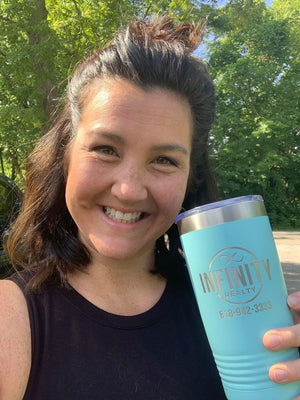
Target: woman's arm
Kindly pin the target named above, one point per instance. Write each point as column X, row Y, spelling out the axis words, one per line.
column 15, row 342
column 283, row 338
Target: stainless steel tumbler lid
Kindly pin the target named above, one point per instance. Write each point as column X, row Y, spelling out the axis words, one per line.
column 220, row 212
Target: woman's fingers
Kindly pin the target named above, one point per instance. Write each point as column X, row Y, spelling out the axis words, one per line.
column 285, row 372
column 293, row 301
column 282, row 338
column 279, row 339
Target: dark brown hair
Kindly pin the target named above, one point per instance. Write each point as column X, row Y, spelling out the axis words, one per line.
column 158, row 53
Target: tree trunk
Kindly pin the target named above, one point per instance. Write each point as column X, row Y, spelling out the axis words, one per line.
column 43, row 63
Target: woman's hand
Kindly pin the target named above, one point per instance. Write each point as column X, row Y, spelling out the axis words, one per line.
column 283, row 338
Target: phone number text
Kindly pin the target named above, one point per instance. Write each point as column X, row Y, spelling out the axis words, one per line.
column 246, row 310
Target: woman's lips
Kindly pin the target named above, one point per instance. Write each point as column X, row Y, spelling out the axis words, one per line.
column 124, row 217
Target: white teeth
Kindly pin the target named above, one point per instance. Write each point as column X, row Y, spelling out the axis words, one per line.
column 119, row 216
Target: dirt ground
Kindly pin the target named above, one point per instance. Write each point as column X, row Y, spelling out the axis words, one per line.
column 288, row 247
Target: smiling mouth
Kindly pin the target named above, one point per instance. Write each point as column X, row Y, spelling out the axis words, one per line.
column 119, row 216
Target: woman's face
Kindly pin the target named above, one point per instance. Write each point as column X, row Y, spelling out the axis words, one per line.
column 128, row 167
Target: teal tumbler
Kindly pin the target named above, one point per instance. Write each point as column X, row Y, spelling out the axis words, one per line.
column 241, row 293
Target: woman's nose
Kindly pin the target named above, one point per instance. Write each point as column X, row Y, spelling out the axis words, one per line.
column 129, row 185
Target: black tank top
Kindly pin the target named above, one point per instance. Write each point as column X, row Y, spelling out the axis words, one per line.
column 82, row 352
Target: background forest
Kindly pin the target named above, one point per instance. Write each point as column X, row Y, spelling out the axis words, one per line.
column 253, row 56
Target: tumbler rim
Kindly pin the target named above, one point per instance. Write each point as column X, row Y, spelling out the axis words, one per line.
column 218, row 204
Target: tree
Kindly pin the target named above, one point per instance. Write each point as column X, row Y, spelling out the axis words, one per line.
column 27, row 78
column 255, row 140
column 40, row 43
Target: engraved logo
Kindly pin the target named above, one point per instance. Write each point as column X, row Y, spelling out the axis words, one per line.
column 236, row 275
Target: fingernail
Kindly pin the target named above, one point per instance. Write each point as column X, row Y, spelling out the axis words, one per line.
column 274, row 341
column 280, row 375
column 293, row 300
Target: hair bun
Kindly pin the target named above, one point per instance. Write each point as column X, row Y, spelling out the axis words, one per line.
column 164, row 30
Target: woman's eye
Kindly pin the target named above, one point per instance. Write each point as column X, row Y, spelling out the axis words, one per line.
column 165, row 161
column 106, row 150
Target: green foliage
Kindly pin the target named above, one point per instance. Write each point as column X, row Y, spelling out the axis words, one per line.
column 27, row 48
column 256, row 136
column 254, row 61
column 40, row 43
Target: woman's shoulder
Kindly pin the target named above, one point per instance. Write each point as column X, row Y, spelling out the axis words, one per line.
column 15, row 339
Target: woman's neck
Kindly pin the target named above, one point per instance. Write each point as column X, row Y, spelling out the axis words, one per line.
column 123, row 287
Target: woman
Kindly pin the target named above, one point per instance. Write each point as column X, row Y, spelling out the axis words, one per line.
column 104, row 309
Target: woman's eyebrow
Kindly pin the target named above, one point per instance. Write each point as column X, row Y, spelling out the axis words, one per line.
column 170, row 147
column 112, row 136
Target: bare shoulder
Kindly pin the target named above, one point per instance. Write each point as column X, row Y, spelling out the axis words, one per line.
column 15, row 342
